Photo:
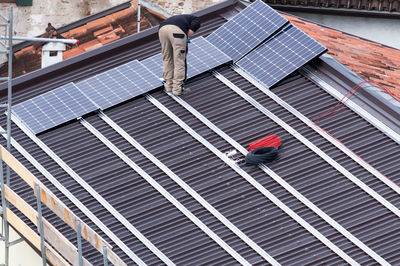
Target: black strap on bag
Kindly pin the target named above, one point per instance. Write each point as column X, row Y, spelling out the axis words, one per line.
column 262, row 155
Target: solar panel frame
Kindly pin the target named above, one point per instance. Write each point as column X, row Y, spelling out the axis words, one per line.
column 281, row 55
column 247, row 29
column 53, row 108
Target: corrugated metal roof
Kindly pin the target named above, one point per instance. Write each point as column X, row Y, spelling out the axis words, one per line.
column 260, row 219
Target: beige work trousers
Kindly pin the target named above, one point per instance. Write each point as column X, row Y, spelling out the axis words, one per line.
column 173, row 50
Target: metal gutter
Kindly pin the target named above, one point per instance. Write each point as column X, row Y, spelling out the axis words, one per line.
column 324, row 134
column 166, row 194
column 186, row 187
column 252, row 181
column 93, row 193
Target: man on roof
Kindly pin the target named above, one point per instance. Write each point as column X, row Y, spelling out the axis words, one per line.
column 174, row 33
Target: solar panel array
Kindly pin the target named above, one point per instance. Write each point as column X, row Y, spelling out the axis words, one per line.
column 53, row 108
column 110, row 88
column 202, row 56
column 281, row 55
column 239, row 38
column 247, row 29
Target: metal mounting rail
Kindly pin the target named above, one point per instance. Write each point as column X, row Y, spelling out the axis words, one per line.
column 89, row 189
column 307, row 72
column 315, row 149
column 252, row 181
column 288, row 187
column 187, row 188
column 324, row 134
column 165, row 193
column 72, row 198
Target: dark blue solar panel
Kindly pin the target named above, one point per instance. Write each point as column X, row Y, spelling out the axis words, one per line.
column 119, row 84
column 202, row 57
column 154, row 64
column 109, row 88
column 247, row 29
column 53, row 108
column 281, row 55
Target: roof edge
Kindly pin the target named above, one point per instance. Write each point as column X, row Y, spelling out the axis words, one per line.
column 384, row 105
column 337, row 11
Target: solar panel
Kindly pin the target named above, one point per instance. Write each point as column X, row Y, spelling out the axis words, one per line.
column 202, row 56
column 53, row 108
column 247, row 29
column 154, row 64
column 110, row 88
column 281, row 55
column 119, row 84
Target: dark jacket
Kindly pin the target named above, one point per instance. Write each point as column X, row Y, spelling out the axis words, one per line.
column 184, row 22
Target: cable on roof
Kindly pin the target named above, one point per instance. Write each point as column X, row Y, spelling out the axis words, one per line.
column 262, row 155
column 268, row 141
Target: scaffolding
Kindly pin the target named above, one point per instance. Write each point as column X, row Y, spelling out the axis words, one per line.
column 6, row 48
column 43, row 195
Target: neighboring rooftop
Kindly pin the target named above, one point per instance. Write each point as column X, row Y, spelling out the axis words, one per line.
column 92, row 32
column 386, row 7
column 372, row 61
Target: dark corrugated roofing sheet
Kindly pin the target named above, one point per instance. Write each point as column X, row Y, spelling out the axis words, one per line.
column 260, row 219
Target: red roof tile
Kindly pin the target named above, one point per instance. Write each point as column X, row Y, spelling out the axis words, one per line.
column 103, row 30
column 92, row 35
column 370, row 60
column 108, row 37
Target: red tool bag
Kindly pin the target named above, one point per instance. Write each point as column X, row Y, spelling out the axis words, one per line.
column 268, row 141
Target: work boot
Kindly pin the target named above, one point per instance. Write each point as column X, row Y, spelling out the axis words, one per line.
column 167, row 87
column 181, row 91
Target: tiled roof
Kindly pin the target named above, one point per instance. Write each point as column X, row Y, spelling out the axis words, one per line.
column 91, row 35
column 372, row 61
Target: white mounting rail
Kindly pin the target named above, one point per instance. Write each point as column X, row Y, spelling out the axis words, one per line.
column 165, row 193
column 294, row 192
column 318, row 151
column 324, row 134
column 186, row 187
column 253, row 182
column 95, row 195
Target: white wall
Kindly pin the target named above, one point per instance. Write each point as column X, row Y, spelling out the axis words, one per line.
column 382, row 30
column 20, row 254
column 32, row 20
